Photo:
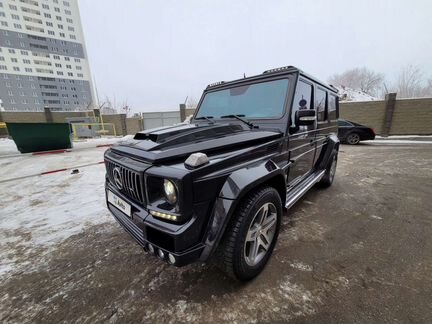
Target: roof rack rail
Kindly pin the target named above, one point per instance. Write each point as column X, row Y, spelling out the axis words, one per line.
column 279, row 69
column 215, row 84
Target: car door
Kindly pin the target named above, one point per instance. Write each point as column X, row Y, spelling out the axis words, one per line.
column 323, row 130
column 301, row 138
column 344, row 128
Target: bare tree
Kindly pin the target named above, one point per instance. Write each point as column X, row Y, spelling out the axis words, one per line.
column 409, row 82
column 125, row 108
column 192, row 103
column 112, row 106
column 427, row 90
column 362, row 79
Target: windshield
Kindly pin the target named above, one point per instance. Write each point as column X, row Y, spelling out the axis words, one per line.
column 262, row 100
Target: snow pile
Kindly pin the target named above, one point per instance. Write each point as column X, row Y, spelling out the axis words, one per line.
column 40, row 211
column 349, row 94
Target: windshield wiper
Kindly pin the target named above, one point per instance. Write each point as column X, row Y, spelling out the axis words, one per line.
column 206, row 118
column 239, row 117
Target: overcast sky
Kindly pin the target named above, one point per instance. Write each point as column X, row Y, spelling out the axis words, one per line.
column 155, row 53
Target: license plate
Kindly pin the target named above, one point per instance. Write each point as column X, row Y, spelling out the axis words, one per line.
column 119, row 203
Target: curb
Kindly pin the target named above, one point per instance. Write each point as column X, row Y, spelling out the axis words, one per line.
column 54, row 151
column 51, row 171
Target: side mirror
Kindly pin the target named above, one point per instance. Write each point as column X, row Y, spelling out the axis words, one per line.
column 305, row 117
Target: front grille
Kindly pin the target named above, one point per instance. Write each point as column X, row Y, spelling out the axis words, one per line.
column 132, row 181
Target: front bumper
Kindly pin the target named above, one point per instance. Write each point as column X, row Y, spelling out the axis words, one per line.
column 165, row 237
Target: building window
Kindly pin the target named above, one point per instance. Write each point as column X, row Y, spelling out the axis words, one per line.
column 4, row 23
column 56, row 9
column 68, row 12
column 80, row 75
column 70, row 74
column 10, row 93
column 16, row 17
column 70, row 21
column 26, row 61
column 58, row 65
column 11, row 51
column 62, row 34
column 48, row 23
column 12, row 7
column 14, row 60
column 59, row 18
column 47, row 15
column 24, row 53
column 60, row 26
column 2, row 58
column 50, row 32
column 59, row 73
column 17, row 26
column 16, row 68
column 72, row 36
column 67, row 59
column 28, row 70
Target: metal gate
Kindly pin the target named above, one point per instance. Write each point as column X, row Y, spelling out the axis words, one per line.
column 158, row 119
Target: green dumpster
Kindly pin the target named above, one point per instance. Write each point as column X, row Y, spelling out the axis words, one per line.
column 36, row 137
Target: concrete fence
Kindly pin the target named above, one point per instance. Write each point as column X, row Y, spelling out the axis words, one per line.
column 401, row 117
column 122, row 124
column 388, row 117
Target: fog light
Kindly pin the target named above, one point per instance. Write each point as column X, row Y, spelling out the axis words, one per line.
column 171, row 258
column 151, row 248
column 161, row 254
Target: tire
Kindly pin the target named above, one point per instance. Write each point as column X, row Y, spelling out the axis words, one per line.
column 327, row 179
column 353, row 139
column 246, row 236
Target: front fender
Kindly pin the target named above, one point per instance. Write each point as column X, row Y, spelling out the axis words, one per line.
column 235, row 188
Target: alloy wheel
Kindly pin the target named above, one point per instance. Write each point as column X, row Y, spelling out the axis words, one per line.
column 260, row 234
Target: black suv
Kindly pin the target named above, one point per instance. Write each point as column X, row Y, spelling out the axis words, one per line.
column 217, row 187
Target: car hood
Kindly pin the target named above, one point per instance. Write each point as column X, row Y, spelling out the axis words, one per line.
column 176, row 142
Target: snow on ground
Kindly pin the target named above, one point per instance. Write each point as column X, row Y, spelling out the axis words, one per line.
column 43, row 210
column 396, row 141
column 349, row 94
column 14, row 164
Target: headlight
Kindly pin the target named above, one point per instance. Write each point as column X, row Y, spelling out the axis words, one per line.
column 170, row 191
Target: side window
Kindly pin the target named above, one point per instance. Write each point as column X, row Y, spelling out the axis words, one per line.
column 343, row 123
column 332, row 102
column 320, row 104
column 302, row 99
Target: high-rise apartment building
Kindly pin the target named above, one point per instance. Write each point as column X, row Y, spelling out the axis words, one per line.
column 43, row 60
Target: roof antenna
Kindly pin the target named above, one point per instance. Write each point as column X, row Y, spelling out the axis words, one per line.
column 244, row 75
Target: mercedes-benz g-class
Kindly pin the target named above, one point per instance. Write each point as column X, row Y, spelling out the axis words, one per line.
column 216, row 188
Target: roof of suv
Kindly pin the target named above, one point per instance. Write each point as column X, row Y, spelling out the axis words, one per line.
column 277, row 71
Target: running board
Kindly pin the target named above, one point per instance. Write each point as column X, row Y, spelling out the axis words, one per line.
column 294, row 195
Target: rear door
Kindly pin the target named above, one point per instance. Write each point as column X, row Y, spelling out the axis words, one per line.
column 301, row 138
column 323, row 129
